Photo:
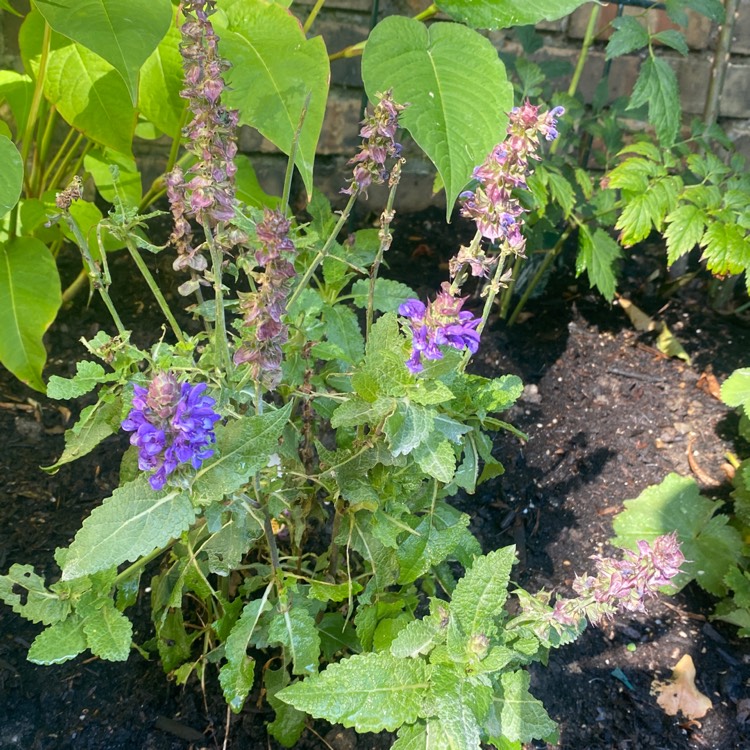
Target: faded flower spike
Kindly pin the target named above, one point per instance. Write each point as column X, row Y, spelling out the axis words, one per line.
column 440, row 322
column 491, row 205
column 172, row 424
column 378, row 132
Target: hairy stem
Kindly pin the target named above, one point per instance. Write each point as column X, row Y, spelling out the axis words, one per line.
column 220, row 327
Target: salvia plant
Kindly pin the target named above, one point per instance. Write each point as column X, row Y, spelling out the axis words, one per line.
column 285, row 496
column 714, row 542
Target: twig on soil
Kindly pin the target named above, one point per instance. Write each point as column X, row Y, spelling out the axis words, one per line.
column 705, row 479
column 635, row 375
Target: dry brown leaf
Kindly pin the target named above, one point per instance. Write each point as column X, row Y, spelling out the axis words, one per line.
column 708, row 383
column 639, row 319
column 680, row 693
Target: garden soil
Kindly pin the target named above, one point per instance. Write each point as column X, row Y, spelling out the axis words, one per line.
column 606, row 415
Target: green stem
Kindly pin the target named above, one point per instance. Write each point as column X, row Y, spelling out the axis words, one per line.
column 94, row 272
column 286, row 192
column 386, row 238
column 546, row 263
column 64, row 164
column 220, row 328
column 138, row 564
column 313, row 15
column 507, row 295
column 318, row 259
column 58, row 155
column 154, row 287
column 36, row 98
column 427, row 13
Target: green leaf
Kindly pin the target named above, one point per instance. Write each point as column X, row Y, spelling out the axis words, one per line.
column 456, row 112
column 684, row 230
column 357, row 411
column 289, row 723
column 387, row 297
column 129, row 187
column 227, row 547
column 17, row 90
column 162, row 79
column 629, row 36
column 134, row 521
column 108, row 632
column 88, row 376
column 11, row 176
column 96, row 423
column 59, row 642
column 735, row 390
column 597, row 255
column 502, row 14
column 294, row 628
column 459, row 704
column 709, row 545
column 674, row 39
column 420, row 636
column 712, row 9
column 640, row 215
column 433, row 542
column 726, row 249
column 370, row 692
column 236, row 676
column 30, row 297
column 342, row 330
column 562, row 192
column 274, row 70
column 436, row 458
column 657, row 87
column 517, row 715
column 38, row 604
column 409, row 426
column 123, row 32
column 249, row 190
column 480, row 595
column 242, row 447
column 334, row 592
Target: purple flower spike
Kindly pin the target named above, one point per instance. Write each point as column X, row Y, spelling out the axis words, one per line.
column 439, row 323
column 172, row 424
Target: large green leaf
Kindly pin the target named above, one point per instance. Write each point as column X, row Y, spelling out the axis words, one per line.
column 11, row 175
column 735, row 390
column 29, row 300
column 123, row 32
column 274, row 70
column 657, row 87
column 134, row 521
column 294, row 628
column 502, row 14
column 369, row 692
column 710, row 546
column 59, row 642
column 162, row 79
column 516, row 715
column 17, row 90
column 456, row 88
column 242, row 447
column 597, row 254
column 480, row 595
column 108, row 632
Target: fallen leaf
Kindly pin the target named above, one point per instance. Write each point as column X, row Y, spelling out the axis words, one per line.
column 708, row 383
column 639, row 319
column 667, row 343
column 680, row 693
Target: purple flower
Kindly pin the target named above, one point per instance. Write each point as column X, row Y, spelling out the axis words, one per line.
column 439, row 323
column 172, row 424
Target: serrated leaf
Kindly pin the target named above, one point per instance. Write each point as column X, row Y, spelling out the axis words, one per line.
column 712, row 9
column 503, row 14
column 387, row 297
column 735, row 390
column 236, row 676
column 597, row 256
column 242, row 447
column 480, row 595
column 134, row 521
column 123, row 32
column 419, row 636
column 357, row 411
column 334, row 592
column 517, row 715
column 674, row 39
column 108, row 632
column 562, row 192
column 657, row 87
column 11, row 179
column 30, row 297
column 409, row 426
column 289, row 723
column 709, row 545
column 433, row 542
column 456, row 113
column 427, row 735
column 226, row 548
column 640, row 215
column 59, row 642
column 38, row 603
column 94, row 425
column 629, row 36
column 337, row 634
column 294, row 628
column 370, row 692
column 436, row 458
column 726, row 248
column 684, row 230
column 342, row 330
column 88, row 376
column 274, row 70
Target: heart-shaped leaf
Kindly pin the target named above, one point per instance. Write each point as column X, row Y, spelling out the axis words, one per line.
column 502, row 14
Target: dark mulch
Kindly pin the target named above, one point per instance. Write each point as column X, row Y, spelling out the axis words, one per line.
column 606, row 415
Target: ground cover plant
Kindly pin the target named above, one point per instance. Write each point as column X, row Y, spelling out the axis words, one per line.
column 291, row 460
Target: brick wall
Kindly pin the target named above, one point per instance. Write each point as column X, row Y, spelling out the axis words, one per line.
column 345, row 22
